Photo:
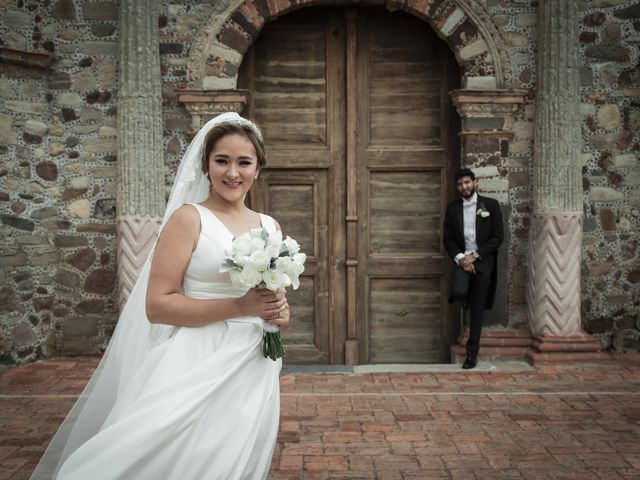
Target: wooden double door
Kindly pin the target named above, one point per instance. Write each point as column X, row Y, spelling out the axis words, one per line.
column 354, row 106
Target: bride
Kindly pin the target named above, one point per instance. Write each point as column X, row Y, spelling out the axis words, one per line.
column 183, row 390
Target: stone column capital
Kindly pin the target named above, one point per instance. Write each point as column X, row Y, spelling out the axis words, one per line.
column 492, row 99
column 203, row 104
column 488, row 112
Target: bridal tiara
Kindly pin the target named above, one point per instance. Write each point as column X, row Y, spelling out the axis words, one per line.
column 235, row 119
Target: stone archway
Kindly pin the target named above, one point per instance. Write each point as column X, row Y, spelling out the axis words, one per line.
column 486, row 103
column 464, row 25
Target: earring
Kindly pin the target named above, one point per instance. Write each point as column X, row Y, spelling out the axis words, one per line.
column 256, row 177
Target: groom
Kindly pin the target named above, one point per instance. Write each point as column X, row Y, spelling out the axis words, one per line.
column 472, row 234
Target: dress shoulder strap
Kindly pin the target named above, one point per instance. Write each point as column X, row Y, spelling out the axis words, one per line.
column 206, row 227
column 200, row 212
column 268, row 222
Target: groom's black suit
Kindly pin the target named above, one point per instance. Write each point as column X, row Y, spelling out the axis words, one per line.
column 489, row 235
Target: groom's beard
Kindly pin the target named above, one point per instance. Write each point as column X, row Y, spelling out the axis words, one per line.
column 467, row 194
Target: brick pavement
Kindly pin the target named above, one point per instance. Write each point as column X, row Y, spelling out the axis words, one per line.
column 569, row 422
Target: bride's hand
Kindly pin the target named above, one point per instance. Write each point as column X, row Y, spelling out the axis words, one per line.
column 282, row 318
column 262, row 303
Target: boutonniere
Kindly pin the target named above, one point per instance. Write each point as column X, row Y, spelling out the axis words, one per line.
column 482, row 211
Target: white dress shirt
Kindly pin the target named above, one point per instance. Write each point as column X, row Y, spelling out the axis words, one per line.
column 469, row 225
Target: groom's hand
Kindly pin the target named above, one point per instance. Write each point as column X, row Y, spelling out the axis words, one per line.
column 467, row 263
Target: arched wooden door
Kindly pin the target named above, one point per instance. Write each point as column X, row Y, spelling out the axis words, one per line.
column 354, row 106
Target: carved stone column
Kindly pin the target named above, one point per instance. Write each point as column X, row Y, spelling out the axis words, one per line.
column 553, row 295
column 141, row 178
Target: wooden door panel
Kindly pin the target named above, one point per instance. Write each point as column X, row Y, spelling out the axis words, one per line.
column 404, row 208
column 402, row 159
column 290, row 83
column 396, row 158
column 405, row 320
column 297, row 199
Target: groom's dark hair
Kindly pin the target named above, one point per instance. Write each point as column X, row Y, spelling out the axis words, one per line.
column 464, row 172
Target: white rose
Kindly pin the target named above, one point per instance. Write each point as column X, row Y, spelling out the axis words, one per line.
column 298, row 261
column 242, row 245
column 292, row 246
column 272, row 251
column 275, row 279
column 250, row 277
column 242, row 260
column 291, row 269
column 256, row 244
column 259, row 260
column 283, row 264
column 275, row 238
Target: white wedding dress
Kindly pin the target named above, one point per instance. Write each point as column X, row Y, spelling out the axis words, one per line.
column 204, row 404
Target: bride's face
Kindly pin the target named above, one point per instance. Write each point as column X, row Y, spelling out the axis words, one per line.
column 233, row 166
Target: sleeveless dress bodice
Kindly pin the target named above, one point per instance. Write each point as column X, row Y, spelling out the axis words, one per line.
column 203, row 278
column 204, row 404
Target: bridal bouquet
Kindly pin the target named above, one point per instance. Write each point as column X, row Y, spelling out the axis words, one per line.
column 263, row 259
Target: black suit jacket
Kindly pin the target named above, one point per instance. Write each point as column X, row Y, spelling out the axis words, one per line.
column 489, row 236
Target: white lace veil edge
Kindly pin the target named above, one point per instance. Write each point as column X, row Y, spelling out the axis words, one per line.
column 133, row 336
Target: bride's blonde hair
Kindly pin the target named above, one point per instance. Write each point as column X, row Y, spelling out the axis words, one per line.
column 228, row 128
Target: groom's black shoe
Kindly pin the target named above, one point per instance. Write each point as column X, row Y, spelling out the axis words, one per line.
column 470, row 362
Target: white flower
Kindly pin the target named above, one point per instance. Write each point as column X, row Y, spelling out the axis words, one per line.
column 274, row 243
column 275, row 279
column 257, row 244
column 247, row 277
column 484, row 214
column 242, row 260
column 256, row 257
column 272, row 251
column 250, row 277
column 292, row 246
column 284, row 264
column 242, row 245
column 291, row 268
column 275, row 238
column 298, row 261
column 259, row 260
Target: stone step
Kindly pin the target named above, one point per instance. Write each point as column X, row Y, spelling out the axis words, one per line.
column 458, row 352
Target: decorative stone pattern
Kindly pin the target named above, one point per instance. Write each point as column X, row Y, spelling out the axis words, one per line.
column 137, row 236
column 59, row 147
column 553, row 297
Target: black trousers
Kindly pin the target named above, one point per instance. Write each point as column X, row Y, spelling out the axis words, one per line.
column 477, row 299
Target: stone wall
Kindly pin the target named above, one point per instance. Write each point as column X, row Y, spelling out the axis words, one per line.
column 57, row 153
column 57, row 186
column 610, row 54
